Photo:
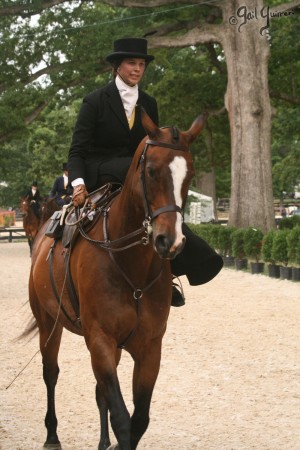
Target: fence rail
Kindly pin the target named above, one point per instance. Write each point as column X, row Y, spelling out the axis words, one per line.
column 10, row 233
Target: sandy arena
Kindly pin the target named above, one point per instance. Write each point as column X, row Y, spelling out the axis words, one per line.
column 229, row 378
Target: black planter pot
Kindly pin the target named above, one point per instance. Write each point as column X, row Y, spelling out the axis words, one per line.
column 295, row 274
column 274, row 271
column 228, row 261
column 257, row 267
column 241, row 264
column 285, row 273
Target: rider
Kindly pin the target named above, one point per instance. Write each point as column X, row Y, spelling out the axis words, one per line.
column 108, row 131
column 34, row 197
column 61, row 189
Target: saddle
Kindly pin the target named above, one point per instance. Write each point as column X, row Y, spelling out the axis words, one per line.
column 64, row 223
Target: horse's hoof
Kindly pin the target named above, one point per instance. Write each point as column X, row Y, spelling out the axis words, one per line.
column 52, row 447
column 113, row 447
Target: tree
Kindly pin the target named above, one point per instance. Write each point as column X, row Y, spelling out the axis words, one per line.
column 246, row 50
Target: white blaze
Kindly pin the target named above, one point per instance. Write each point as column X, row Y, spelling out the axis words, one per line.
column 178, row 169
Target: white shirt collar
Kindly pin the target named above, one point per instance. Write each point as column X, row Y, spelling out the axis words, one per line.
column 129, row 95
column 122, row 86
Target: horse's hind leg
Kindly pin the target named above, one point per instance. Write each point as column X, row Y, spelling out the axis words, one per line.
column 30, row 245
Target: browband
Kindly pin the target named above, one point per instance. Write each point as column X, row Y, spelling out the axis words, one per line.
column 167, row 145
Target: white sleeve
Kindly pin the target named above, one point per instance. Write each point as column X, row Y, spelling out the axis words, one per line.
column 77, row 181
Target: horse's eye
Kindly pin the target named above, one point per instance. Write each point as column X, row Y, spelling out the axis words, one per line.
column 151, row 172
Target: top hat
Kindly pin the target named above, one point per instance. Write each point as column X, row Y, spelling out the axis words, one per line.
column 65, row 166
column 130, row 48
column 34, row 183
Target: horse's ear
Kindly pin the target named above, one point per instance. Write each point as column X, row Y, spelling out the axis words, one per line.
column 196, row 127
column 151, row 129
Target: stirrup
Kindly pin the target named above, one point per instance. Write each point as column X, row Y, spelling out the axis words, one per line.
column 178, row 298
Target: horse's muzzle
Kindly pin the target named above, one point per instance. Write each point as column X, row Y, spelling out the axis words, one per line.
column 165, row 247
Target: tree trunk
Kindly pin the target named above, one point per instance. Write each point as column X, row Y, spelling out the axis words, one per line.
column 248, row 104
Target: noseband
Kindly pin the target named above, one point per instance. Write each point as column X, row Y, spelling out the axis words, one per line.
column 151, row 215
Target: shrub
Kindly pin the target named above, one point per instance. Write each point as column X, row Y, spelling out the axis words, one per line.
column 279, row 248
column 225, row 240
column 267, row 245
column 214, row 236
column 253, row 242
column 202, row 230
column 289, row 222
column 238, row 240
column 293, row 246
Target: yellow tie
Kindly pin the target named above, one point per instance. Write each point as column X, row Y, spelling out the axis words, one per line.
column 131, row 120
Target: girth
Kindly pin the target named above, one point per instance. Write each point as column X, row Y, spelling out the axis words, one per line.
column 68, row 281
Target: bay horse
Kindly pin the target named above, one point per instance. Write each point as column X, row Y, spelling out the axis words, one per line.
column 31, row 222
column 121, row 278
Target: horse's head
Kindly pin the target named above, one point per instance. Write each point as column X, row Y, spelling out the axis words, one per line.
column 24, row 206
column 165, row 170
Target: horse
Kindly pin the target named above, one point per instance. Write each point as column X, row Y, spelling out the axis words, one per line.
column 31, row 220
column 119, row 266
column 49, row 206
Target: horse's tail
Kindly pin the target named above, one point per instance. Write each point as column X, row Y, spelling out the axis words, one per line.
column 31, row 330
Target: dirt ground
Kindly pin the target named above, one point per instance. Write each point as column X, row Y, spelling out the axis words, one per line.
column 229, row 378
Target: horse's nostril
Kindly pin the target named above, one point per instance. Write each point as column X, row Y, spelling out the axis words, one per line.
column 162, row 244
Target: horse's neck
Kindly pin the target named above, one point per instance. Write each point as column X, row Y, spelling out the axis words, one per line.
column 126, row 214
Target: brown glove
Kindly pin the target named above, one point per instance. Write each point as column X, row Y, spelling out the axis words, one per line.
column 79, row 195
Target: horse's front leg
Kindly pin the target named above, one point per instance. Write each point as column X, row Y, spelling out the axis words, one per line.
column 105, row 369
column 103, row 410
column 50, row 374
column 146, row 369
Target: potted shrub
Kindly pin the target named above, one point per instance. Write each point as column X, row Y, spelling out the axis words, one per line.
column 238, row 250
column 293, row 249
column 252, row 246
column 214, row 236
column 266, row 252
column 201, row 230
column 280, row 253
column 225, row 244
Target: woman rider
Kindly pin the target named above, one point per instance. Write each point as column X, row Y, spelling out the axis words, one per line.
column 107, row 132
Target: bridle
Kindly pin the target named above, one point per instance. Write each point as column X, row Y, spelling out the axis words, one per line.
column 151, row 215
column 119, row 244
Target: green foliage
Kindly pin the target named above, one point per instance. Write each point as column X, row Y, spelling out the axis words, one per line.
column 293, row 246
column 279, row 248
column 238, row 242
column 202, row 230
column 289, row 222
column 225, row 240
column 214, row 236
column 49, row 63
column 267, row 245
column 253, row 243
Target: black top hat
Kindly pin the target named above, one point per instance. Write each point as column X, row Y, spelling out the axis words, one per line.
column 34, row 183
column 130, row 48
column 65, row 166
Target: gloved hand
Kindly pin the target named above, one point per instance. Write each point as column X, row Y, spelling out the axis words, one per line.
column 79, row 195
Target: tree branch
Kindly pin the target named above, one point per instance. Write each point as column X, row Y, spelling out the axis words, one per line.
column 285, row 7
column 214, row 58
column 201, row 34
column 285, row 97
